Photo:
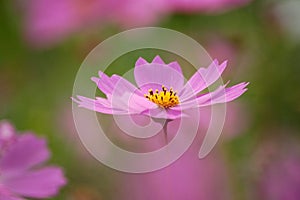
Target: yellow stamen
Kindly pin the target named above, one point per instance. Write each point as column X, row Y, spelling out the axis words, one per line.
column 165, row 98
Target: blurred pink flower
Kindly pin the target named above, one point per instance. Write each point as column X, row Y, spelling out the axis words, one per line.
column 206, row 6
column 236, row 122
column 49, row 21
column 281, row 180
column 21, row 173
column 187, row 178
column 131, row 13
column 161, row 91
column 278, row 161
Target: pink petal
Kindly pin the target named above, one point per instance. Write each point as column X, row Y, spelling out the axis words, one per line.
column 202, row 79
column 157, row 59
column 119, row 105
column 131, row 103
column 27, row 152
column 158, row 74
column 175, row 66
column 121, row 86
column 140, row 104
column 224, row 95
column 98, row 105
column 115, row 84
column 220, row 95
column 128, row 98
column 42, row 183
column 105, row 84
column 122, row 97
column 141, row 61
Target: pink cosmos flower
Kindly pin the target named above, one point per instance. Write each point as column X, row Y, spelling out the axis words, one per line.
column 21, row 174
column 161, row 92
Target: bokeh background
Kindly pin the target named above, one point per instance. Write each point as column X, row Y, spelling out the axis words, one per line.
column 43, row 43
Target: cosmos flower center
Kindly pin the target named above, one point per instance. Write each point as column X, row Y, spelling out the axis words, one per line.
column 165, row 98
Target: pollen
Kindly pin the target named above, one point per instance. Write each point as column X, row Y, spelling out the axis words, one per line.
column 164, row 98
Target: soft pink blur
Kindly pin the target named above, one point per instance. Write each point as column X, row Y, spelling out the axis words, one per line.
column 47, row 22
column 187, row 178
column 206, row 6
column 236, row 122
column 278, row 163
